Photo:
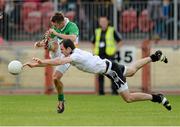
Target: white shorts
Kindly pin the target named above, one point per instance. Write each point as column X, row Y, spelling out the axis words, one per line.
column 116, row 73
column 123, row 88
column 62, row 68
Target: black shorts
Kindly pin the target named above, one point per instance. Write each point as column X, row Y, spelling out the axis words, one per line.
column 116, row 73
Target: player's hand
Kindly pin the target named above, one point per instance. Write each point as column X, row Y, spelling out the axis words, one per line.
column 37, row 60
column 38, row 44
column 41, row 43
column 46, row 35
column 30, row 64
column 52, row 31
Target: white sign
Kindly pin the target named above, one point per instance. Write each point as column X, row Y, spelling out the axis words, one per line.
column 126, row 55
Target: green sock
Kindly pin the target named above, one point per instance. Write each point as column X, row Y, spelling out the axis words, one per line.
column 60, row 97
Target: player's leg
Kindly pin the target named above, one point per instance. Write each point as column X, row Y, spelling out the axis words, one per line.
column 139, row 96
column 101, row 84
column 132, row 69
column 113, row 88
column 59, row 71
column 117, row 73
column 132, row 97
column 59, row 87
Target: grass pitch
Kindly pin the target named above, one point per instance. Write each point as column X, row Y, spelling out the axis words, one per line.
column 86, row 110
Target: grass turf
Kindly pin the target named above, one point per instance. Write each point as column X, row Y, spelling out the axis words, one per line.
column 85, row 110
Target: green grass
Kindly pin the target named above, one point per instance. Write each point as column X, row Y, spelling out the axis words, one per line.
column 85, row 110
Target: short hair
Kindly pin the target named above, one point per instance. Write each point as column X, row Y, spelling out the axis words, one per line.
column 58, row 17
column 68, row 43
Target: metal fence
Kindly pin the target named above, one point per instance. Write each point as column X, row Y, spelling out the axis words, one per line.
column 24, row 21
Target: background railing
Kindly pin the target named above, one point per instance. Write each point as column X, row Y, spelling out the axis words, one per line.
column 27, row 21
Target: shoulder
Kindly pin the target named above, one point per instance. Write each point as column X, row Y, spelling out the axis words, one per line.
column 72, row 24
column 111, row 27
column 76, row 51
column 75, row 55
column 98, row 29
column 72, row 28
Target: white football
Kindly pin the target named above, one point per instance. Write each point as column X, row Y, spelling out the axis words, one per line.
column 15, row 67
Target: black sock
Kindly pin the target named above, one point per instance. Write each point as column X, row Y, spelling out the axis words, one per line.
column 154, row 58
column 156, row 98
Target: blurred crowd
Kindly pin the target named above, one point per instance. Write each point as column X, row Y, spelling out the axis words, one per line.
column 29, row 17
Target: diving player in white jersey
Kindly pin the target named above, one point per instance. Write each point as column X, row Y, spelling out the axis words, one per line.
column 85, row 61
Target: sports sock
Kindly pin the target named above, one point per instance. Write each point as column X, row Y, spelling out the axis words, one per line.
column 154, row 58
column 156, row 98
column 60, row 97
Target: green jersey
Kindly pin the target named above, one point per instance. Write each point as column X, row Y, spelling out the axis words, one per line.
column 70, row 28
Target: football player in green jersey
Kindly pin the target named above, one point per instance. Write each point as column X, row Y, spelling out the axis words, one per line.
column 61, row 29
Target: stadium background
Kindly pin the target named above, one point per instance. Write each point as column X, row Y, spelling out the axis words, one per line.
column 24, row 22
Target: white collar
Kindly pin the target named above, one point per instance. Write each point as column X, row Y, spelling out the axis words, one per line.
column 66, row 22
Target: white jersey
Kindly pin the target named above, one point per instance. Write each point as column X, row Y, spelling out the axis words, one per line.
column 60, row 68
column 85, row 61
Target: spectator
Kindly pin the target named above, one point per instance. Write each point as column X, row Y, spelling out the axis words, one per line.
column 1, row 15
column 166, row 11
column 83, row 20
column 65, row 6
column 156, row 15
column 4, row 21
column 68, row 8
column 36, row 1
column 15, row 14
column 104, row 42
column 166, row 8
column 2, row 4
column 1, row 40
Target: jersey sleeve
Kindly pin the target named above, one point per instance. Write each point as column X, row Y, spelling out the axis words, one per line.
column 74, row 57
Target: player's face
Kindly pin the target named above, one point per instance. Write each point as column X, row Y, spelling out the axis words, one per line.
column 65, row 51
column 58, row 25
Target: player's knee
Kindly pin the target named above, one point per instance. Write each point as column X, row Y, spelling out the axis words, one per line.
column 128, row 99
column 132, row 71
column 56, row 77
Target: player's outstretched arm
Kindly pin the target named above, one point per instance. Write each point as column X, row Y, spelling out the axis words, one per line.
column 36, row 62
column 53, row 62
column 33, row 64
